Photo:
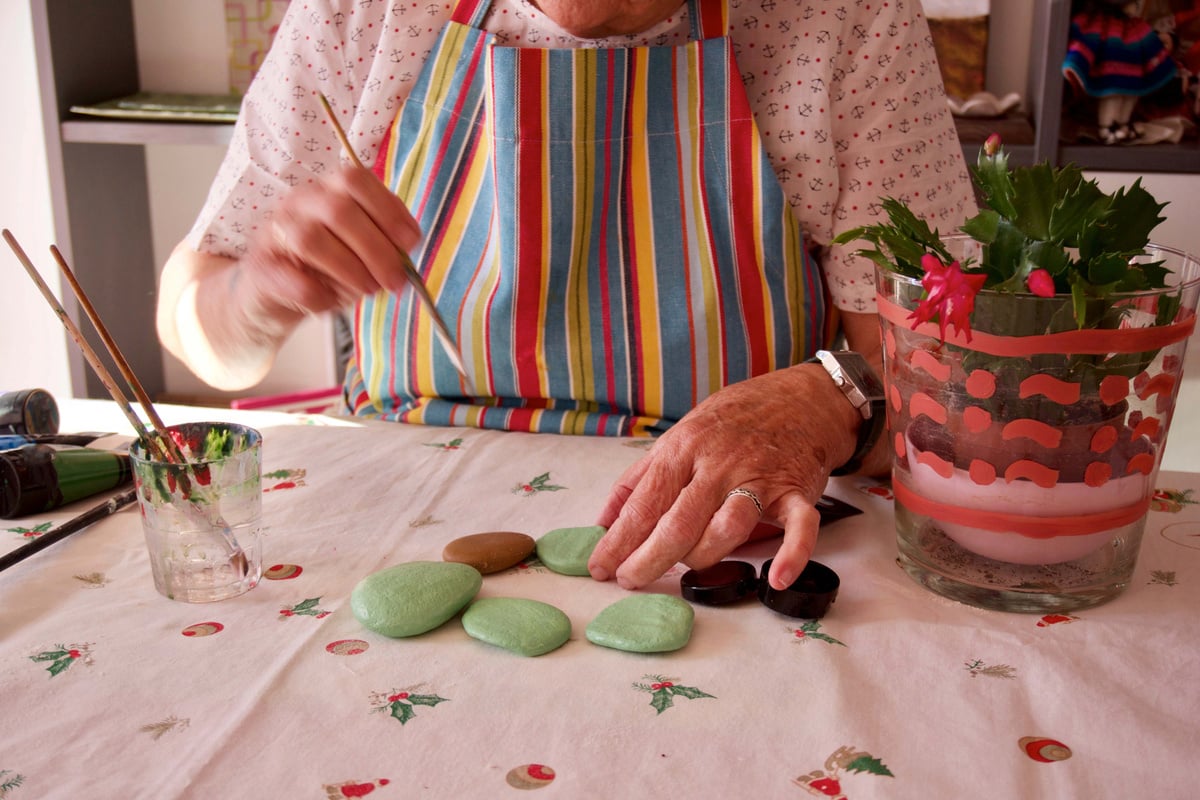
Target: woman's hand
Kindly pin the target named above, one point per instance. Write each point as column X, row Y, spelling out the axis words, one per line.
column 327, row 244
column 776, row 436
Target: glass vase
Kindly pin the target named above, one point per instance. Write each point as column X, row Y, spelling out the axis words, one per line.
column 1025, row 454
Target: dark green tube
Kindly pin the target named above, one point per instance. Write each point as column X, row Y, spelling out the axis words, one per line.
column 37, row 478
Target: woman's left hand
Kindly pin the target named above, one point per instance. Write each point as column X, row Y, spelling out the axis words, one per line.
column 776, row 437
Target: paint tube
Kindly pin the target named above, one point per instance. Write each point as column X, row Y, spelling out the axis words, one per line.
column 40, row 477
column 12, row 441
column 28, row 411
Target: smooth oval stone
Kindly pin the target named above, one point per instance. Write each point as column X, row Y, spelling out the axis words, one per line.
column 526, row 627
column 643, row 623
column 567, row 550
column 412, row 598
column 490, row 552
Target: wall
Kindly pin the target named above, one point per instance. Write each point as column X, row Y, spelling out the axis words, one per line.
column 33, row 347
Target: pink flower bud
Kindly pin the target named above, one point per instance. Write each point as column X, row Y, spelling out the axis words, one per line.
column 991, row 145
column 1040, row 283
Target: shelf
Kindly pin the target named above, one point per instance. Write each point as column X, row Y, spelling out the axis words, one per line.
column 93, row 131
column 1175, row 158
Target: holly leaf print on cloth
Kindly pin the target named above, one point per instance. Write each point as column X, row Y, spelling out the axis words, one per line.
column 62, row 656
column 31, row 533
column 9, row 780
column 284, row 479
column 400, row 705
column 663, row 692
column 539, row 484
column 307, row 608
column 811, row 630
column 1171, row 501
column 171, row 723
column 1162, row 577
column 977, row 667
column 453, row 444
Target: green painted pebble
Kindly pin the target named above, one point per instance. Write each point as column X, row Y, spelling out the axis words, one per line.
column 567, row 550
column 643, row 623
column 413, row 598
column 526, row 627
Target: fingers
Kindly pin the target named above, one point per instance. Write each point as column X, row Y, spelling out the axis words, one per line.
column 620, row 492
column 647, row 498
column 730, row 527
column 800, row 522
column 349, row 230
column 700, row 528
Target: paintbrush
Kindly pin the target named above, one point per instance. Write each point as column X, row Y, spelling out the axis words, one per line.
column 162, row 447
column 410, row 270
column 74, row 525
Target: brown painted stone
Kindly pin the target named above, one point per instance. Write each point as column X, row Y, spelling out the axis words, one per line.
column 490, row 552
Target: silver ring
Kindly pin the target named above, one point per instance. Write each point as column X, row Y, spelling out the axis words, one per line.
column 741, row 492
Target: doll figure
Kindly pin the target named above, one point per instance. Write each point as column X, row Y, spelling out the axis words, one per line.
column 1115, row 56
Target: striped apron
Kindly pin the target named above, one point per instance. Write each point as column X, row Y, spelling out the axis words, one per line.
column 604, row 235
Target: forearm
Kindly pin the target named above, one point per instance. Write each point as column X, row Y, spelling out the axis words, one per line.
column 214, row 326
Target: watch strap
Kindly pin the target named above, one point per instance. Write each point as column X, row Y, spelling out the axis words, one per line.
column 863, row 389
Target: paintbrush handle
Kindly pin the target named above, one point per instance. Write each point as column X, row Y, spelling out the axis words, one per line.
column 73, row 525
column 89, row 354
column 410, row 269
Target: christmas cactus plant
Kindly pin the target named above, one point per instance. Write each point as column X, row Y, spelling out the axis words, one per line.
column 1046, row 230
column 1043, row 231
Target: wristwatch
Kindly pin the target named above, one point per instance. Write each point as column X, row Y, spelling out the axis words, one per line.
column 862, row 387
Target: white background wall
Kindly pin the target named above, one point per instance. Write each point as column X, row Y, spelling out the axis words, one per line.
column 181, row 47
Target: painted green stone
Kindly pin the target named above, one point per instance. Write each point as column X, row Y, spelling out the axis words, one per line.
column 526, row 627
column 643, row 623
column 413, row 598
column 567, row 550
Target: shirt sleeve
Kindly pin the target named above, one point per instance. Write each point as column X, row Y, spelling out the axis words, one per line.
column 364, row 57
column 852, row 108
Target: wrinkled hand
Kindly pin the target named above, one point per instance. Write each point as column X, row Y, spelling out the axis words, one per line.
column 777, row 435
column 328, row 244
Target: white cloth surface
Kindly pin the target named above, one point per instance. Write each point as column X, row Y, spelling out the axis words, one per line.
column 938, row 693
column 848, row 98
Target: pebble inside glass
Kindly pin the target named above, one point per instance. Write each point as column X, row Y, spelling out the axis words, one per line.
column 203, row 522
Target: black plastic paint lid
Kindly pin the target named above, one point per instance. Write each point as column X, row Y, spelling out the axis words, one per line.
column 809, row 596
column 719, row 585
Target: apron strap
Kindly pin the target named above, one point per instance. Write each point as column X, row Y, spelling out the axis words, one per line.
column 471, row 12
column 709, row 19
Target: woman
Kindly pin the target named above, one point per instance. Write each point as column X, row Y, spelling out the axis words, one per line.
column 616, row 205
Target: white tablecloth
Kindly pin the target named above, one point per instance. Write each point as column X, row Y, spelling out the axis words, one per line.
column 110, row 691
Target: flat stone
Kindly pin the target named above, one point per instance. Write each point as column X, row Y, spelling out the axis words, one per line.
column 567, row 550
column 490, row 552
column 526, row 627
column 643, row 623
column 413, row 598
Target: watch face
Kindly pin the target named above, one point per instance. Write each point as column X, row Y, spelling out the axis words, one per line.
column 862, row 387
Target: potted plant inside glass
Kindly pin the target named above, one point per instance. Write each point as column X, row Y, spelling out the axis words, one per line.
column 1031, row 361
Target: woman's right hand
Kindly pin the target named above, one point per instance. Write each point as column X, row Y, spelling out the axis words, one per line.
column 327, row 244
